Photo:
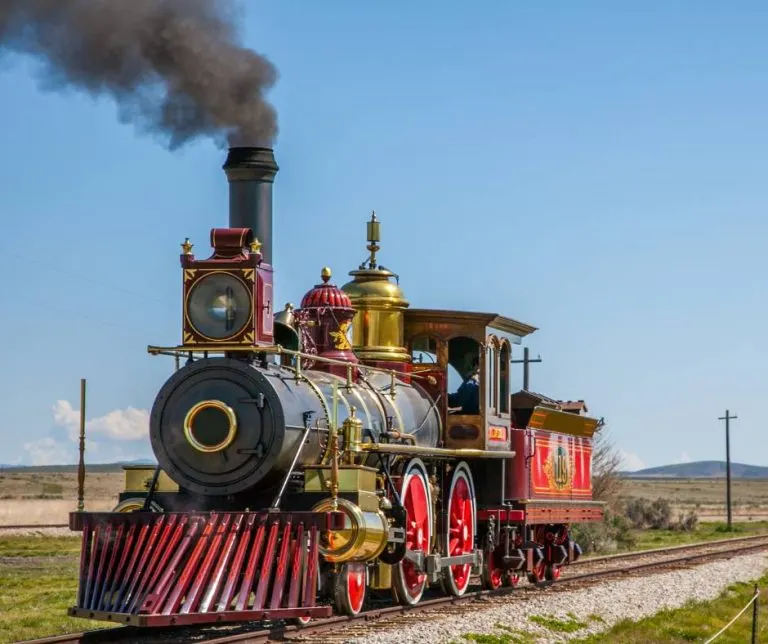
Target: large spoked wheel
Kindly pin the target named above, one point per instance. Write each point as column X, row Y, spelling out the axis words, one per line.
column 408, row 583
column 460, row 529
column 349, row 588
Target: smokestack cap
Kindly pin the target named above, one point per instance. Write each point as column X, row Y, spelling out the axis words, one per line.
column 249, row 163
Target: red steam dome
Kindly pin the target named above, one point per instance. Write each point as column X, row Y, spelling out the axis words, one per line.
column 326, row 295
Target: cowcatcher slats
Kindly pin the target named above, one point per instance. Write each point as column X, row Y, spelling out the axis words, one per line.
column 156, row 569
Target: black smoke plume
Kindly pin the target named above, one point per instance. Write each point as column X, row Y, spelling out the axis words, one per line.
column 174, row 67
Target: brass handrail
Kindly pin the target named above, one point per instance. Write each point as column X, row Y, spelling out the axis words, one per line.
column 276, row 349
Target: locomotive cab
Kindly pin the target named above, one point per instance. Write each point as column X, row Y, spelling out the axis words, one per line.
column 444, row 346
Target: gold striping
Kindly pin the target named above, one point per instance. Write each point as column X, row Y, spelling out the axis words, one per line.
column 389, row 448
column 210, row 404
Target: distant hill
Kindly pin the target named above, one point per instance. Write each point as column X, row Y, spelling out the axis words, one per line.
column 701, row 469
column 89, row 467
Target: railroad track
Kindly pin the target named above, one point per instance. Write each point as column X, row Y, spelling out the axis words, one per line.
column 31, row 526
column 624, row 556
column 595, row 569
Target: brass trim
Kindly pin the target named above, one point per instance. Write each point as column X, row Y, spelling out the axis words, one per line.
column 417, row 450
column 395, row 409
column 359, row 396
column 364, row 539
column 129, row 505
column 195, row 410
column 204, row 274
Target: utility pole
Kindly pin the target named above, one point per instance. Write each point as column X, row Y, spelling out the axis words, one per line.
column 526, row 371
column 728, row 418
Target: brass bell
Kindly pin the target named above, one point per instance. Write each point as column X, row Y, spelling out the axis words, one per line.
column 286, row 317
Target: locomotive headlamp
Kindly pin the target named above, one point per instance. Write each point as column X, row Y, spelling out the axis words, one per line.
column 219, row 306
column 210, row 426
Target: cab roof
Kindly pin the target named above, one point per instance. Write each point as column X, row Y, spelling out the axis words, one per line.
column 488, row 320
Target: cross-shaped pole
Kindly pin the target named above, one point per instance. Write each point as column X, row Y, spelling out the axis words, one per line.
column 526, row 371
column 728, row 418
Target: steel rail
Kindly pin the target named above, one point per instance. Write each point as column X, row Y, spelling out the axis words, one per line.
column 30, row 526
column 687, row 546
column 130, row 633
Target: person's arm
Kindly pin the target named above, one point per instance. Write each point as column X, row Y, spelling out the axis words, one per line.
column 459, row 398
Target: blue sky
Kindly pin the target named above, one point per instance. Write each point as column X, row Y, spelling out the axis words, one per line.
column 596, row 170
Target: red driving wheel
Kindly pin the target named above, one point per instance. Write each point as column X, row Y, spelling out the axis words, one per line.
column 409, row 583
column 460, row 529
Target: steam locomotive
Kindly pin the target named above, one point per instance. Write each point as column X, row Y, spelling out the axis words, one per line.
column 311, row 458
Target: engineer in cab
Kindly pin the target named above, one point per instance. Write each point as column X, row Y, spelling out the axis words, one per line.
column 466, row 400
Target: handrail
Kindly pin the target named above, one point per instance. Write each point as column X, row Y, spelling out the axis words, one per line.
column 275, row 349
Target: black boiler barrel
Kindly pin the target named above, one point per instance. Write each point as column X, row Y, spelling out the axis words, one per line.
column 251, row 172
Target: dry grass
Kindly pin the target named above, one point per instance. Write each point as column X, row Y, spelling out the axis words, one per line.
column 49, row 497
column 705, row 496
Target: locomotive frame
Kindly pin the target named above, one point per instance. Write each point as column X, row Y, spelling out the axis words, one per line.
column 300, row 469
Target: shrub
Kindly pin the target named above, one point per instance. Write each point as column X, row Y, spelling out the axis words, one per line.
column 613, row 533
column 649, row 514
column 687, row 522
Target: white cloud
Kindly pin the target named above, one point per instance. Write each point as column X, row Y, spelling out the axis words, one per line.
column 115, row 436
column 683, row 458
column 119, row 424
column 47, row 451
column 630, row 461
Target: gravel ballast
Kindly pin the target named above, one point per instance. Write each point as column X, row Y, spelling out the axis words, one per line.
column 612, row 601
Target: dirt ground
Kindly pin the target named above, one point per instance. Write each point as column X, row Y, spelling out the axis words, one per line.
column 49, row 497
column 749, row 497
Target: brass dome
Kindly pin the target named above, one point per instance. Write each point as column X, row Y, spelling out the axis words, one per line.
column 374, row 287
column 378, row 325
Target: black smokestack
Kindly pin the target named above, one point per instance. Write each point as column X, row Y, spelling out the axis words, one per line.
column 174, row 67
column 251, row 172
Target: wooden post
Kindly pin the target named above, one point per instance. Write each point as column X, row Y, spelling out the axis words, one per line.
column 81, row 463
column 754, row 614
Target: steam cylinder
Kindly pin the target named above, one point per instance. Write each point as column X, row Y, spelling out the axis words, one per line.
column 220, row 426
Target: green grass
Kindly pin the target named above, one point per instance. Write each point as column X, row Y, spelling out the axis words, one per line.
column 38, row 582
column 571, row 625
column 509, row 636
column 647, row 539
column 696, row 621
column 37, row 546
